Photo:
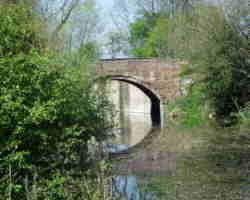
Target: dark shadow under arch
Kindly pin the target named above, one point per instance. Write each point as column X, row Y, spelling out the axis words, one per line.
column 155, row 110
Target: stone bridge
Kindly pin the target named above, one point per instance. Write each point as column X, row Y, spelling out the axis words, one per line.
column 157, row 78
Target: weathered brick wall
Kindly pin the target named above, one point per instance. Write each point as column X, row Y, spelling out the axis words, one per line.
column 158, row 75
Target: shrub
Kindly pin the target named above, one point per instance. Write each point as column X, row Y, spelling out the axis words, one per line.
column 20, row 30
column 48, row 114
column 243, row 117
column 219, row 57
column 189, row 109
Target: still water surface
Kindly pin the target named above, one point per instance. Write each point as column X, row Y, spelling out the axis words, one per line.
column 133, row 114
column 179, row 164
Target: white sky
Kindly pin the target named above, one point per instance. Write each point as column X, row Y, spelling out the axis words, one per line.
column 106, row 7
column 106, row 3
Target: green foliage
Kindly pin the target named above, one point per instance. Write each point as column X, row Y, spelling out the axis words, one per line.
column 19, row 30
column 161, row 41
column 89, row 51
column 80, row 58
column 47, row 117
column 192, row 108
column 163, row 37
column 243, row 117
column 139, row 32
column 48, row 114
column 189, row 109
column 217, row 52
column 156, row 45
column 219, row 55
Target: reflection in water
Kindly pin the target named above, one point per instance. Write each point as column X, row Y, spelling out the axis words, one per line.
column 133, row 117
column 180, row 165
column 144, row 187
column 124, row 118
column 125, row 187
column 197, row 172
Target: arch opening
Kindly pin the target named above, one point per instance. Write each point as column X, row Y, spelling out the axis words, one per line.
column 155, row 111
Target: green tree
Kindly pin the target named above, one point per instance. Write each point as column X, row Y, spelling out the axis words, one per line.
column 219, row 56
column 157, row 39
column 139, row 33
column 19, row 37
column 140, row 17
column 154, row 33
column 49, row 113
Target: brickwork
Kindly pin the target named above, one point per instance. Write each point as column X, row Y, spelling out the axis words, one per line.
column 160, row 76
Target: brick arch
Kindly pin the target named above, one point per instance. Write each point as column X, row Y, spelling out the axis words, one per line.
column 155, row 110
column 159, row 75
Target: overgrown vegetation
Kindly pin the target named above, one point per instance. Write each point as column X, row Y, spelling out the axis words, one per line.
column 51, row 119
column 189, row 110
column 219, row 57
column 53, row 122
column 210, row 38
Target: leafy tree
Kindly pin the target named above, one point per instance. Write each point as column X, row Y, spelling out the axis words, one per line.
column 214, row 42
column 161, row 41
column 48, row 114
column 19, row 37
column 157, row 40
column 219, row 55
column 138, row 18
column 154, row 33
column 140, row 31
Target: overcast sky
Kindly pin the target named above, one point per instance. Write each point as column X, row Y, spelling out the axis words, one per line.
column 106, row 3
column 106, row 7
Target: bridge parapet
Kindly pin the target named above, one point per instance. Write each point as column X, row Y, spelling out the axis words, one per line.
column 160, row 76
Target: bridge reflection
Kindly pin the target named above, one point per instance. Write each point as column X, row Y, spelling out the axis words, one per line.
column 154, row 99
column 133, row 113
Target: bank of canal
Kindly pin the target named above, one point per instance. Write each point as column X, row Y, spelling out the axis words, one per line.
column 204, row 163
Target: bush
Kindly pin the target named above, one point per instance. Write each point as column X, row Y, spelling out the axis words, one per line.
column 243, row 117
column 219, row 57
column 140, row 32
column 189, row 109
column 20, row 30
column 48, row 115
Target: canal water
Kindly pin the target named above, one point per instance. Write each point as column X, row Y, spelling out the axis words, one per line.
column 132, row 114
column 200, row 164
